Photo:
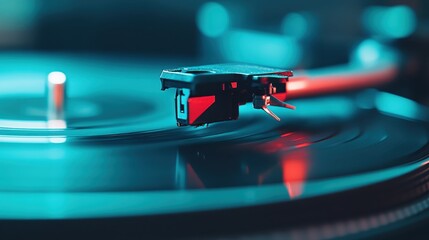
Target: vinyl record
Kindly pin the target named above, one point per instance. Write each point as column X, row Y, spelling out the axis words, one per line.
column 123, row 149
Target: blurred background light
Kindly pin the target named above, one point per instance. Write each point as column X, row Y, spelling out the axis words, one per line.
column 367, row 53
column 366, row 98
column 17, row 13
column 212, row 19
column 296, row 25
column 262, row 48
column 17, row 19
column 390, row 22
column 371, row 53
column 396, row 105
column 332, row 107
column 286, row 34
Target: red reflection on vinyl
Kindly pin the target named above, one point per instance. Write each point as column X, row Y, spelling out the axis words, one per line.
column 192, row 179
column 294, row 160
column 295, row 168
column 286, row 141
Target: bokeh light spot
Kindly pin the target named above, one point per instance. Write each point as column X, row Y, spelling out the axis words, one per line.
column 295, row 25
column 400, row 22
column 368, row 52
column 261, row 48
column 396, row 105
column 390, row 22
column 212, row 19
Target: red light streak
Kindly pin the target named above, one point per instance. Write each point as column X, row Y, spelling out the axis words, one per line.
column 348, row 79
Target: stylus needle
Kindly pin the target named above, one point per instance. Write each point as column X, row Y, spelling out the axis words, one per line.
column 277, row 102
column 267, row 110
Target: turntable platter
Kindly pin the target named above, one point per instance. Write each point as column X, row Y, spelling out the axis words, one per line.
column 122, row 148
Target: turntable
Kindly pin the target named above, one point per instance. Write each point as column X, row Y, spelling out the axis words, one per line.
column 90, row 147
